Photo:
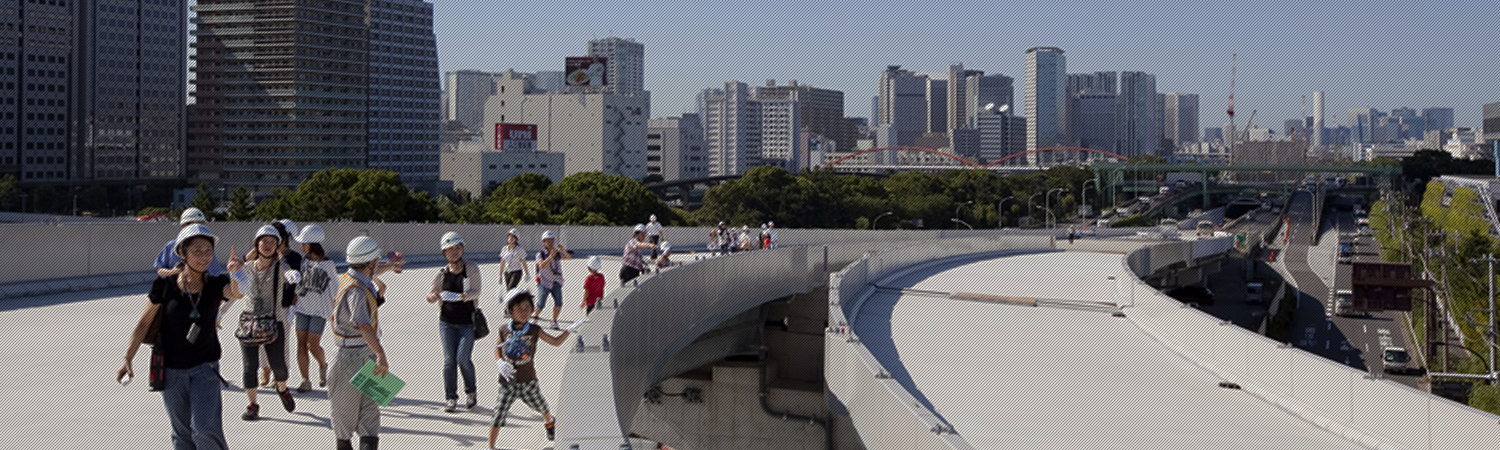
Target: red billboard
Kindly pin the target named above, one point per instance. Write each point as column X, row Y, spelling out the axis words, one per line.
column 515, row 137
column 586, row 71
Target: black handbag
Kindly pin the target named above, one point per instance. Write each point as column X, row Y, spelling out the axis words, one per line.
column 481, row 325
column 158, row 368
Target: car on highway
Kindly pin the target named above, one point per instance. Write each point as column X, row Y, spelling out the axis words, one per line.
column 1396, row 360
column 1346, row 253
column 1343, row 303
column 1193, row 294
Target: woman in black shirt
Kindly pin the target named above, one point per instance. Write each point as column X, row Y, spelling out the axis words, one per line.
column 184, row 308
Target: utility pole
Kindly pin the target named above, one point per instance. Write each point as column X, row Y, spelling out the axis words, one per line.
column 1494, row 326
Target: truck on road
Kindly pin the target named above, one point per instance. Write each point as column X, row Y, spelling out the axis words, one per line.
column 1343, row 303
column 1395, row 360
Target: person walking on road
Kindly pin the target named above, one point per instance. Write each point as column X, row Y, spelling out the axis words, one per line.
column 593, row 286
column 262, row 325
column 773, row 238
column 293, row 260
column 549, row 273
column 356, row 328
column 515, row 356
column 314, row 305
column 183, row 308
column 632, row 262
column 457, row 287
column 168, row 263
column 513, row 260
column 653, row 233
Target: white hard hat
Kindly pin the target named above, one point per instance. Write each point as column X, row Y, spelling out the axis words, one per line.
column 771, row 223
column 595, row 263
column 188, row 232
column 514, row 232
column 450, row 239
column 745, row 227
column 191, row 215
column 666, row 246
column 653, row 217
column 762, row 226
column 640, row 228
column 548, row 235
column 311, row 234
column 291, row 227
column 267, row 230
column 361, row 250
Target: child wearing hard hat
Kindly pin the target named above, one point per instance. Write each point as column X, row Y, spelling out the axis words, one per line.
column 593, row 286
column 665, row 260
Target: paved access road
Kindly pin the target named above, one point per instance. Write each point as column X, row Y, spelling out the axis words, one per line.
column 1354, row 341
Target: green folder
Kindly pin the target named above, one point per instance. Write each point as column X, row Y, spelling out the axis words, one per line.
column 380, row 389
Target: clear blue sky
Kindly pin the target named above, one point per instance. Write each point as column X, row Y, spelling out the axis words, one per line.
column 1385, row 55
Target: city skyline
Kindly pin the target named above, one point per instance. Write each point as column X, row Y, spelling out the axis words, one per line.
column 842, row 52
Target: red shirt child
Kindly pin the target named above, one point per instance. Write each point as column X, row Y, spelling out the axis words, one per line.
column 593, row 286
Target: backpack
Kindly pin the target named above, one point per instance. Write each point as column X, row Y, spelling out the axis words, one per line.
column 514, row 348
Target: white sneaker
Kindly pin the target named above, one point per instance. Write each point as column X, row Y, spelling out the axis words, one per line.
column 452, row 406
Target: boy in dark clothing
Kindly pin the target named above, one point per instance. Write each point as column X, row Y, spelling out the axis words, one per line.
column 515, row 352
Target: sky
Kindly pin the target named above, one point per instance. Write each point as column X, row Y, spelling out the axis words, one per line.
column 1416, row 54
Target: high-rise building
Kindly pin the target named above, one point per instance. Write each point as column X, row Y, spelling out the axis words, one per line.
column 1319, row 126
column 981, row 90
column 675, row 148
column 1491, row 128
column 999, row 134
column 1097, row 81
column 464, row 94
column 1046, row 97
column 404, row 110
column 1136, row 132
column 1180, row 122
column 937, row 105
column 286, row 89
column 822, row 110
column 1094, row 119
column 781, row 134
column 731, row 129
column 597, row 131
column 903, row 106
column 92, row 90
column 627, row 64
column 1362, row 124
column 960, row 98
column 874, row 112
column 1437, row 118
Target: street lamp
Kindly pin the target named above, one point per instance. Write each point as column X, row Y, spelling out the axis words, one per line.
column 956, row 220
column 1000, row 212
column 1084, row 190
column 1031, row 204
column 877, row 219
column 1048, row 200
column 960, row 207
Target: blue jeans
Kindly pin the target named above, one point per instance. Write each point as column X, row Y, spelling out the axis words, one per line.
column 195, row 408
column 542, row 292
column 458, row 355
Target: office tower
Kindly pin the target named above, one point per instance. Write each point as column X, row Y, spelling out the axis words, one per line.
column 1319, row 138
column 626, row 68
column 960, row 99
column 937, row 105
column 874, row 112
column 781, row 138
column 367, row 95
column 598, row 131
column 1180, row 125
column 464, row 94
column 903, row 106
column 675, row 148
column 981, row 89
column 1438, row 118
column 1097, row 81
column 1094, row 119
column 1136, row 133
column 1363, row 123
column 822, row 110
column 1046, row 97
column 92, row 90
column 730, row 128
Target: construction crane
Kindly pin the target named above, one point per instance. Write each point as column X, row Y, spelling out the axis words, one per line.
column 1250, row 124
column 1233, row 65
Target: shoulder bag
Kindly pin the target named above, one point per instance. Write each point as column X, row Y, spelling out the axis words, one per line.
column 256, row 330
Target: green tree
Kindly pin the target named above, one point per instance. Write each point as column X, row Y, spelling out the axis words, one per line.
column 621, row 200
column 46, row 199
column 577, row 216
column 281, row 205
column 10, row 193
column 204, row 200
column 239, row 204
column 517, row 211
column 324, row 196
column 378, row 195
column 527, row 185
column 422, row 207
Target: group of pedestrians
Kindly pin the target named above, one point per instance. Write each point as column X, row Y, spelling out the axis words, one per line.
column 191, row 294
column 287, row 290
column 723, row 240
